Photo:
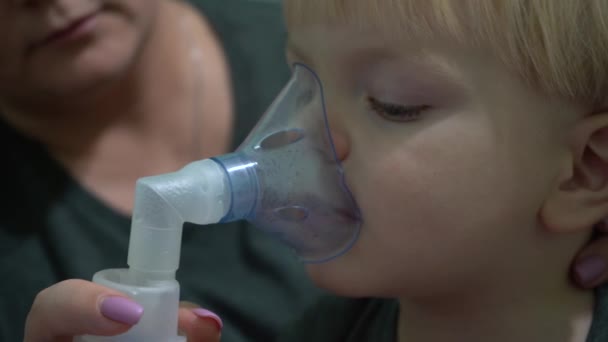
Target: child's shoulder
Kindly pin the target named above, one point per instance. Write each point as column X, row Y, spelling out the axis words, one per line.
column 334, row 318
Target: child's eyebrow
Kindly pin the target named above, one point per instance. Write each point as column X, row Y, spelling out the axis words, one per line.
column 350, row 53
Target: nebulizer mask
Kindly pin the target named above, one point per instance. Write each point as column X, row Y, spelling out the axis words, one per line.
column 285, row 179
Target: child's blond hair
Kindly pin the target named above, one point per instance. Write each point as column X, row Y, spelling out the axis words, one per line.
column 560, row 46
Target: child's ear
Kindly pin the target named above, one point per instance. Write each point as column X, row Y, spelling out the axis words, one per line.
column 580, row 199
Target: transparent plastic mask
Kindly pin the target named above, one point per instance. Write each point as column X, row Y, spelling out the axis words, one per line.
column 299, row 193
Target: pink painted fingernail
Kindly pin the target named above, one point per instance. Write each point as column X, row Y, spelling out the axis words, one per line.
column 121, row 309
column 589, row 269
column 204, row 313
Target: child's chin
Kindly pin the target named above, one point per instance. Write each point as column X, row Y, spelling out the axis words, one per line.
column 333, row 278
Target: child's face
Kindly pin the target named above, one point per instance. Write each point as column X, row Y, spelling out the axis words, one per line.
column 450, row 187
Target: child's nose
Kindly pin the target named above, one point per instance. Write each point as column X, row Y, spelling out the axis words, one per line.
column 341, row 142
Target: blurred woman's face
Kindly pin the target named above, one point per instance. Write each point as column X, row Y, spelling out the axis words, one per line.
column 51, row 48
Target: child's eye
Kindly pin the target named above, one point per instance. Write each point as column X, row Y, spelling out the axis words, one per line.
column 396, row 112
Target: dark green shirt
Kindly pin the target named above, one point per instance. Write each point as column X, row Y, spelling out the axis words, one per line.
column 52, row 229
column 334, row 319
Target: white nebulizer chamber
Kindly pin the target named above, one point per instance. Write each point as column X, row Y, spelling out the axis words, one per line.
column 285, row 179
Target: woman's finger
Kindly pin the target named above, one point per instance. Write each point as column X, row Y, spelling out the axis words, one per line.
column 200, row 325
column 77, row 307
column 591, row 265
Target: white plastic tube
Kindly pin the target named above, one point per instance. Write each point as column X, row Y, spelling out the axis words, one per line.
column 199, row 193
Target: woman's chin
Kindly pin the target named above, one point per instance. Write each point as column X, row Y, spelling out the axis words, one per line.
column 80, row 77
column 77, row 70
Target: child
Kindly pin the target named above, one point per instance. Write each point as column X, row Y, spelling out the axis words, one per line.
column 474, row 137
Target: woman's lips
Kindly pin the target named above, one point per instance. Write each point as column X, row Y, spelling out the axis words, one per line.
column 74, row 31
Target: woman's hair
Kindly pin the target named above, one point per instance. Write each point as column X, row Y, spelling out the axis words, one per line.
column 559, row 46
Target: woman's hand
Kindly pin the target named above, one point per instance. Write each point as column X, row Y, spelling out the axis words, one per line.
column 77, row 307
column 590, row 266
